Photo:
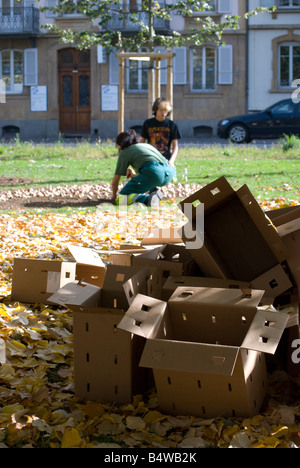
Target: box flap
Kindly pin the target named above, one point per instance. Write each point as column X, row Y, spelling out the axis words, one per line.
column 85, row 255
column 143, row 316
column 219, row 296
column 210, row 195
column 263, row 223
column 189, row 357
column 289, row 227
column 265, row 330
column 161, row 236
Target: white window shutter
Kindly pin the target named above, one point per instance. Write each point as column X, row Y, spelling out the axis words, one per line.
column 101, row 54
column 179, row 66
column 30, row 67
column 113, row 69
column 49, row 4
column 225, row 6
column 225, row 64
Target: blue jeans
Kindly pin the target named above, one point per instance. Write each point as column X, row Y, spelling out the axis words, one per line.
column 152, row 174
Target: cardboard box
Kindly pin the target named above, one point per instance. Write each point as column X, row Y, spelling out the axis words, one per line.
column 122, row 283
column 170, row 259
column 36, row 280
column 287, row 223
column 240, row 242
column 89, row 266
column 174, row 282
column 207, row 349
column 77, row 293
column 106, row 359
column 120, row 286
column 2, row 351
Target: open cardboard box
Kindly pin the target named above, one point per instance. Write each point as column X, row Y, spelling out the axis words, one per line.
column 174, row 282
column 238, row 242
column 106, row 359
column 206, row 348
column 35, row 280
column 169, row 258
column 89, row 266
column 120, row 286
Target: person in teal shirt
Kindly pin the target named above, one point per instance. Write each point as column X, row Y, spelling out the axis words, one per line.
column 144, row 166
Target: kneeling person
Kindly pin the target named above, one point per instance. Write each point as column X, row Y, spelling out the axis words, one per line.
column 146, row 168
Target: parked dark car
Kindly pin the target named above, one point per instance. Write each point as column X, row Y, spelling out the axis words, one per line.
column 278, row 119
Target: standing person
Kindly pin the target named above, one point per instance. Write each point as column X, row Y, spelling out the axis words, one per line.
column 161, row 132
column 144, row 166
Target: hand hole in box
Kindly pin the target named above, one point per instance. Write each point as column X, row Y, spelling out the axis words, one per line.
column 269, row 323
column 120, row 277
column 263, row 339
column 244, row 320
column 196, row 203
column 186, row 294
column 273, row 283
column 213, row 319
column 145, row 308
column 184, row 317
column 137, row 323
column 215, row 191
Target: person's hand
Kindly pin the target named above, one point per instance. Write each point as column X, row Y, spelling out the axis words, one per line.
column 130, row 173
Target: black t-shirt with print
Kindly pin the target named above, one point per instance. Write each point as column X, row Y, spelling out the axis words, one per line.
column 160, row 134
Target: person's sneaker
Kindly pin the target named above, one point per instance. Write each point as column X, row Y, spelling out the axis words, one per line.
column 154, row 198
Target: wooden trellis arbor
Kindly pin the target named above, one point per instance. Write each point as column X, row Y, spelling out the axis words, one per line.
column 154, row 80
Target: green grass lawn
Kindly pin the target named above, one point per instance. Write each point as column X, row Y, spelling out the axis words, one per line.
column 269, row 172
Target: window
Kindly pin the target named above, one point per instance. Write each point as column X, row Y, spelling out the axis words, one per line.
column 10, row 4
column 285, row 107
column 137, row 74
column 289, row 64
column 11, row 70
column 288, row 4
column 73, row 4
column 203, row 69
column 216, row 6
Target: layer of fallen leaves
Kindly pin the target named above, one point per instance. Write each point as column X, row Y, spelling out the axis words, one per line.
column 37, row 403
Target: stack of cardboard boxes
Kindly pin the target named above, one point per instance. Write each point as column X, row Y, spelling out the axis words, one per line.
column 195, row 318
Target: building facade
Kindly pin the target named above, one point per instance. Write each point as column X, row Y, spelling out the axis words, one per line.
column 274, row 53
column 51, row 88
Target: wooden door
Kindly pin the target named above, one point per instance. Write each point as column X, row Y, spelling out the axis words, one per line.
column 74, row 92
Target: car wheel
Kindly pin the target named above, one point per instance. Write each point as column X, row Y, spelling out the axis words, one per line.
column 238, row 133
